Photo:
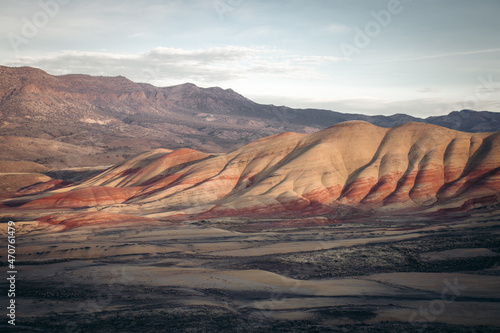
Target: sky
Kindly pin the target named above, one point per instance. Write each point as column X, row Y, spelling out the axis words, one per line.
column 419, row 57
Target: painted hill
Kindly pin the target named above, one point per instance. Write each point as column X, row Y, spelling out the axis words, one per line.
column 350, row 169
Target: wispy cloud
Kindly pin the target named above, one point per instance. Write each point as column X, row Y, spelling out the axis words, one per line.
column 319, row 59
column 163, row 66
column 444, row 55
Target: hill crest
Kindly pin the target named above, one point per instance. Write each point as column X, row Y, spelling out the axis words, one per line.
column 348, row 170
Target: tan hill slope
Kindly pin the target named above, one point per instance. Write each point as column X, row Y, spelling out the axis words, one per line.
column 350, row 168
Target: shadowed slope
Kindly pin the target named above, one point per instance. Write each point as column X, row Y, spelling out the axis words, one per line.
column 353, row 165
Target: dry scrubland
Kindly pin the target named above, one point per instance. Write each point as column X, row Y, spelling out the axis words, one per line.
column 234, row 275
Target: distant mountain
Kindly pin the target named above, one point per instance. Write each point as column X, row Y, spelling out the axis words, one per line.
column 90, row 120
column 346, row 171
column 468, row 121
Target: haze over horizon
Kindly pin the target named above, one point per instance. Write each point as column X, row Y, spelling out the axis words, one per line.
column 422, row 58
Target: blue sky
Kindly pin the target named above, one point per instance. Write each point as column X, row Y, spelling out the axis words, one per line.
column 421, row 57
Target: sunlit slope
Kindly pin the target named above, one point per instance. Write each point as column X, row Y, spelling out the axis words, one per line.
column 354, row 164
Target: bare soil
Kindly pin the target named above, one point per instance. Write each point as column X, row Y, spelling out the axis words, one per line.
column 379, row 275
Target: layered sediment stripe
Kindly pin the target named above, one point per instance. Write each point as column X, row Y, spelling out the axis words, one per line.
column 353, row 164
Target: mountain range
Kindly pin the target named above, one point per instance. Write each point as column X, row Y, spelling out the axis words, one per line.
column 81, row 120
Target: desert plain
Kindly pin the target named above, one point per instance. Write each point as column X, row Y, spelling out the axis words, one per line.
column 384, row 274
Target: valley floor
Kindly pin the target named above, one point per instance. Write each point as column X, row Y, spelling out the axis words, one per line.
column 230, row 275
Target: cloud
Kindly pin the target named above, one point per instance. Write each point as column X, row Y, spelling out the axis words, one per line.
column 164, row 66
column 445, row 55
column 319, row 59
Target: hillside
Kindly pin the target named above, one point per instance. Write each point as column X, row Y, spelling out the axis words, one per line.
column 348, row 170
